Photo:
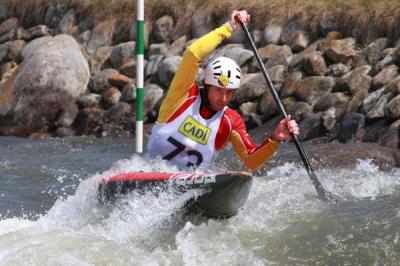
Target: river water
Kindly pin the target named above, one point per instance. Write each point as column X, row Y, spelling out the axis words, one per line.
column 50, row 216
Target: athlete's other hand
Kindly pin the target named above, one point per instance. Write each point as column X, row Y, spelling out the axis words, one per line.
column 286, row 128
column 242, row 15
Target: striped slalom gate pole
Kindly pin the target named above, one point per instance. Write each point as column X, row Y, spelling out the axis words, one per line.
column 139, row 75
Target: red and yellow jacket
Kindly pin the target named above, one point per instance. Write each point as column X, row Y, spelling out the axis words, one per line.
column 183, row 91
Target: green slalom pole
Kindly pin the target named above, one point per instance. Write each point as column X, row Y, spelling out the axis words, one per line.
column 139, row 75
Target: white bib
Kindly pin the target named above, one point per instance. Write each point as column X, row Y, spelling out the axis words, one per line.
column 188, row 140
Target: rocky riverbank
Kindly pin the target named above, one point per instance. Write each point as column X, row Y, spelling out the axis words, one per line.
column 73, row 75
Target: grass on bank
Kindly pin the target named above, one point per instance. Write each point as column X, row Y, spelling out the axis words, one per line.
column 384, row 15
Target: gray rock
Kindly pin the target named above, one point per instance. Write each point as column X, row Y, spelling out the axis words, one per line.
column 102, row 35
column 290, row 29
column 119, row 80
column 314, row 65
column 281, row 57
column 122, row 54
column 147, row 29
column 239, row 55
column 177, row 47
column 158, row 49
column 337, row 70
column 341, row 51
column 152, row 94
column 45, row 84
column 89, row 121
column 246, row 109
column 86, row 24
column 349, row 126
column 15, row 50
column 111, row 97
column 327, row 24
column 289, row 86
column 329, row 100
column 200, row 25
column 392, row 109
column 394, row 86
column 252, row 86
column 258, row 36
column 310, row 88
column 375, row 49
column 298, row 41
column 298, row 59
column 328, row 120
column 35, row 32
column 10, row 24
column 63, row 132
column 54, row 14
column 267, row 107
column 67, row 116
column 391, row 138
column 300, row 110
column 378, row 111
column 357, row 79
column 375, row 131
column 356, row 101
column 9, row 36
column 359, row 60
column 67, row 24
column 167, row 70
column 385, row 76
column 371, row 100
column 310, row 127
column 98, row 61
column 4, row 13
column 4, row 48
column 163, row 28
column 100, row 80
column 128, row 93
column 153, row 65
column 272, row 34
column 117, row 113
column 121, row 33
column 277, row 74
column 88, row 100
column 35, row 45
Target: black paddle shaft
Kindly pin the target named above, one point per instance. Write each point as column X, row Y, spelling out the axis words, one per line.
column 318, row 186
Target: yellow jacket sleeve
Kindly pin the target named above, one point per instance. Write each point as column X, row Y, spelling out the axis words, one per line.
column 187, row 70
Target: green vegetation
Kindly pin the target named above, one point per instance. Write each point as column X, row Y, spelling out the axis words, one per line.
column 382, row 14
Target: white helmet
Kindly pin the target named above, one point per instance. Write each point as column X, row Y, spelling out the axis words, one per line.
column 223, row 72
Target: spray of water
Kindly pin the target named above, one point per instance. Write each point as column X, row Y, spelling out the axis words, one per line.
column 151, row 229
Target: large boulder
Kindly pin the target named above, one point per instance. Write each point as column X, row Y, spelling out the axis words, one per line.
column 47, row 81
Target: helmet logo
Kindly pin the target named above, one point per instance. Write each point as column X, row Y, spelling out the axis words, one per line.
column 223, row 80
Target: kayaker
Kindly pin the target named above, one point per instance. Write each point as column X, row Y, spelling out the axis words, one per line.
column 194, row 123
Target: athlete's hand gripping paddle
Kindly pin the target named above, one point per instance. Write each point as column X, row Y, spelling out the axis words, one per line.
column 318, row 186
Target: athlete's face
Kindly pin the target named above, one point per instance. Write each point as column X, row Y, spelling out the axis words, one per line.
column 219, row 97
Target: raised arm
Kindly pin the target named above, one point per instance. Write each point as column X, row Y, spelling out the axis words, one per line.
column 185, row 76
